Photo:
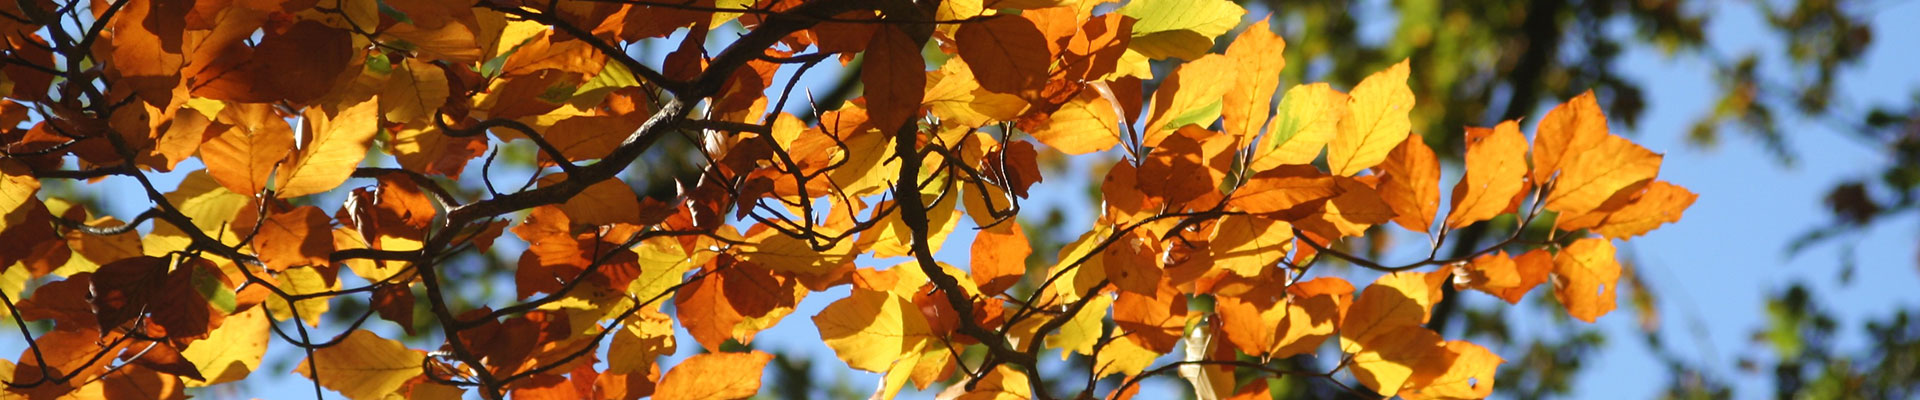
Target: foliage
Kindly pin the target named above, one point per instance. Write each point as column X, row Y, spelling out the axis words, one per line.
column 1218, row 195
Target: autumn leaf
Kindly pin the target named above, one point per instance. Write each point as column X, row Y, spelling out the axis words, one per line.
column 1388, row 361
column 1496, row 172
column 1659, row 203
column 999, row 257
column 1396, row 300
column 233, row 350
column 1245, row 244
column 872, row 330
column 1182, row 29
column 1004, row 382
column 338, row 142
column 1085, row 124
column 1585, row 275
column 251, row 143
column 1410, row 184
column 714, row 376
column 1468, row 374
column 1378, row 122
column 1257, row 53
column 1280, row 323
column 363, row 365
column 297, row 237
column 1305, row 120
column 956, row 96
column 1567, row 130
column 896, row 72
column 1190, row 96
column 1010, row 55
column 1292, row 191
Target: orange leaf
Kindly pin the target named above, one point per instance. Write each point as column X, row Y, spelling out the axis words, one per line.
column 1133, row 262
column 1584, row 278
column 1257, row 52
column 1095, row 50
column 1009, row 55
column 735, row 302
column 1358, row 207
column 1275, row 323
column 895, row 77
column 1003, row 383
column 1186, row 96
column 252, row 143
column 605, row 202
column 1378, row 122
column 1468, row 374
column 1293, row 190
column 1660, row 203
column 1496, row 172
column 301, row 236
column 1410, row 184
column 1595, row 175
column 999, row 257
column 714, row 376
column 1153, row 321
column 1186, row 166
column 1568, row 129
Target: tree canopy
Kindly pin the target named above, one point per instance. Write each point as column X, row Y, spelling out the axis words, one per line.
column 342, row 160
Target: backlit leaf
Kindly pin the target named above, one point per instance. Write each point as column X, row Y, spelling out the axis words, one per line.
column 1301, row 126
column 1176, row 28
column 1256, row 52
column 895, row 76
column 1410, row 184
column 338, row 142
column 1009, row 55
column 1379, row 106
column 364, row 365
column 1585, row 275
column 1190, row 96
column 714, row 376
column 1496, row 172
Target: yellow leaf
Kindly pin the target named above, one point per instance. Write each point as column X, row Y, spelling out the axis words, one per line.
column 663, row 264
column 714, row 376
column 1378, row 122
column 1079, row 267
column 1080, row 334
column 211, row 207
column 602, row 203
column 1190, row 96
column 1179, row 28
column 1410, row 184
column 1086, row 124
column 1275, row 323
column 1123, row 356
column 1400, row 299
column 337, row 144
column 955, row 97
column 1257, row 52
column 17, row 187
column 1496, row 171
column 1301, row 127
column 231, row 351
column 364, row 365
column 1388, row 361
column 1585, row 274
column 639, row 342
column 779, row 252
column 416, row 88
column 871, row 330
column 1003, row 383
column 1245, row 244
column 299, row 281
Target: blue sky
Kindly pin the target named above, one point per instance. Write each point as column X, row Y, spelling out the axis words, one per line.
column 1712, row 271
